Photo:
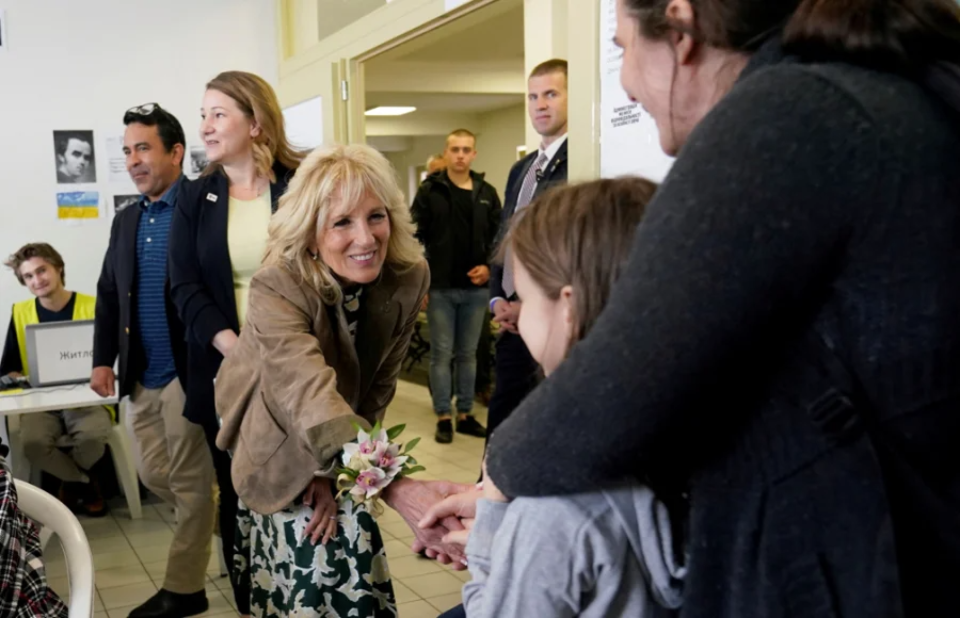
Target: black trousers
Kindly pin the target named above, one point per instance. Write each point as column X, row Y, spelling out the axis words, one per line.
column 484, row 358
column 228, row 516
column 516, row 375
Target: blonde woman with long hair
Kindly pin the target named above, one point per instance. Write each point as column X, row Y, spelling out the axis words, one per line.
column 217, row 241
column 330, row 318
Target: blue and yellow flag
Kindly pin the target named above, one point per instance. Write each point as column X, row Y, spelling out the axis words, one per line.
column 78, row 205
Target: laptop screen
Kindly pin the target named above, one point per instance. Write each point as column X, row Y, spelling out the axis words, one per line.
column 60, row 352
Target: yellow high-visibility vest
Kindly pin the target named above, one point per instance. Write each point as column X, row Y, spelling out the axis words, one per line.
column 25, row 313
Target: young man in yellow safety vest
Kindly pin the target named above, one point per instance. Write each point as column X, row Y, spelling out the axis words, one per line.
column 84, row 431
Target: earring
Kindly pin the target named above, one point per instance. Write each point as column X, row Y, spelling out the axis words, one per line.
column 314, row 256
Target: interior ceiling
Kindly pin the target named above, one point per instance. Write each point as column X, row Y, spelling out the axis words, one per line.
column 492, row 35
column 444, row 102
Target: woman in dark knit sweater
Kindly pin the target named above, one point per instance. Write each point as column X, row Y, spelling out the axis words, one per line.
column 783, row 348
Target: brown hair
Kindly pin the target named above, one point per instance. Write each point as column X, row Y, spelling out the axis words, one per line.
column 461, row 133
column 258, row 101
column 896, row 35
column 554, row 65
column 580, row 235
column 36, row 250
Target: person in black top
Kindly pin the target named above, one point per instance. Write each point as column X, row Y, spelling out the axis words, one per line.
column 783, row 345
column 40, row 268
column 458, row 216
column 217, row 237
column 516, row 371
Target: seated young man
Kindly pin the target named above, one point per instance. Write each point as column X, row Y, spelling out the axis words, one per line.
column 63, row 443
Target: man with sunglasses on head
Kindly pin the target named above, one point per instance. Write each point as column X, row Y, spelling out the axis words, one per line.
column 136, row 320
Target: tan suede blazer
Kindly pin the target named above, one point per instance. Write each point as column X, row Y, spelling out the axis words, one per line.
column 288, row 391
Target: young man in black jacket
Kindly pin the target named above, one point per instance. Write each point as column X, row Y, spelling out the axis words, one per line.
column 136, row 320
column 458, row 216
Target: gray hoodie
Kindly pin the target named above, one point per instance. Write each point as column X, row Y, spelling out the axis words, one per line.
column 601, row 554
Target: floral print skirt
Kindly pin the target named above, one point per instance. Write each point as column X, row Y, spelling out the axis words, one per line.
column 290, row 577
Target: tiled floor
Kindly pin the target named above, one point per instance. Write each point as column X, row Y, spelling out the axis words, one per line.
column 130, row 556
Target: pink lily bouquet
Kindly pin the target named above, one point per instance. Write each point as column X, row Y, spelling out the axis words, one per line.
column 373, row 462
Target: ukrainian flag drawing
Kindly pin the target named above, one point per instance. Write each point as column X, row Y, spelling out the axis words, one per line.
column 78, row 205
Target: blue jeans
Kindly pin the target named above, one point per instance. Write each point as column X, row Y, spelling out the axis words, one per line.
column 455, row 318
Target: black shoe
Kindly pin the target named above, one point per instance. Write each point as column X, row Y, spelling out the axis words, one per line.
column 92, row 503
column 166, row 604
column 70, row 494
column 445, row 431
column 471, row 427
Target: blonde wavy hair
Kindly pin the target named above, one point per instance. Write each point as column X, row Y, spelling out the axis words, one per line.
column 327, row 179
column 258, row 102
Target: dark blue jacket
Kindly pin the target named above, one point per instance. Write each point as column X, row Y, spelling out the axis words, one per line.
column 554, row 174
column 201, row 281
column 116, row 331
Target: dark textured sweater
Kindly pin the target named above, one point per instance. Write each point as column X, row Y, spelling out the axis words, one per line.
column 812, row 197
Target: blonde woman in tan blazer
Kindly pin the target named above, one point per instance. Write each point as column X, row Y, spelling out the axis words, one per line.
column 330, row 317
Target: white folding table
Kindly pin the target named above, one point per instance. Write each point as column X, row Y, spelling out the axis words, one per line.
column 49, row 398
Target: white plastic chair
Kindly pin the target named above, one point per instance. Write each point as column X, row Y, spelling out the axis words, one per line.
column 49, row 512
column 120, row 449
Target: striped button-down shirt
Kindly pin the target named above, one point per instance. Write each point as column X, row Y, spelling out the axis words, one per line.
column 152, row 236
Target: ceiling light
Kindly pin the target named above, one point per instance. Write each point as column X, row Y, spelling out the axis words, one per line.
column 384, row 110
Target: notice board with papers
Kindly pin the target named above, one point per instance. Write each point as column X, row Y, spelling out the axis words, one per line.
column 629, row 140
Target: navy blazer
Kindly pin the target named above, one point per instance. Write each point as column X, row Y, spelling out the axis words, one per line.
column 554, row 174
column 114, row 331
column 201, row 281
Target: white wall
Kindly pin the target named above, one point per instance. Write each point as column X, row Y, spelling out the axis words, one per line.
column 80, row 65
column 420, row 149
column 498, row 135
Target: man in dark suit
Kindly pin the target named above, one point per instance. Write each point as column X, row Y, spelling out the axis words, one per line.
column 516, row 371
column 136, row 319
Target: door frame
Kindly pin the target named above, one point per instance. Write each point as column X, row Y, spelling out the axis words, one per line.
column 349, row 118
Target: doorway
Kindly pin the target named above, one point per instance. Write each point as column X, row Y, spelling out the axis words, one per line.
column 467, row 73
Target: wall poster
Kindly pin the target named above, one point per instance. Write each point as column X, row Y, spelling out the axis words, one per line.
column 629, row 140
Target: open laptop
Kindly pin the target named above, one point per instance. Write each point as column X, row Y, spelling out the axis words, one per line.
column 59, row 352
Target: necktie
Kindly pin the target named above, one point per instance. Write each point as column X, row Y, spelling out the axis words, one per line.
column 527, row 189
